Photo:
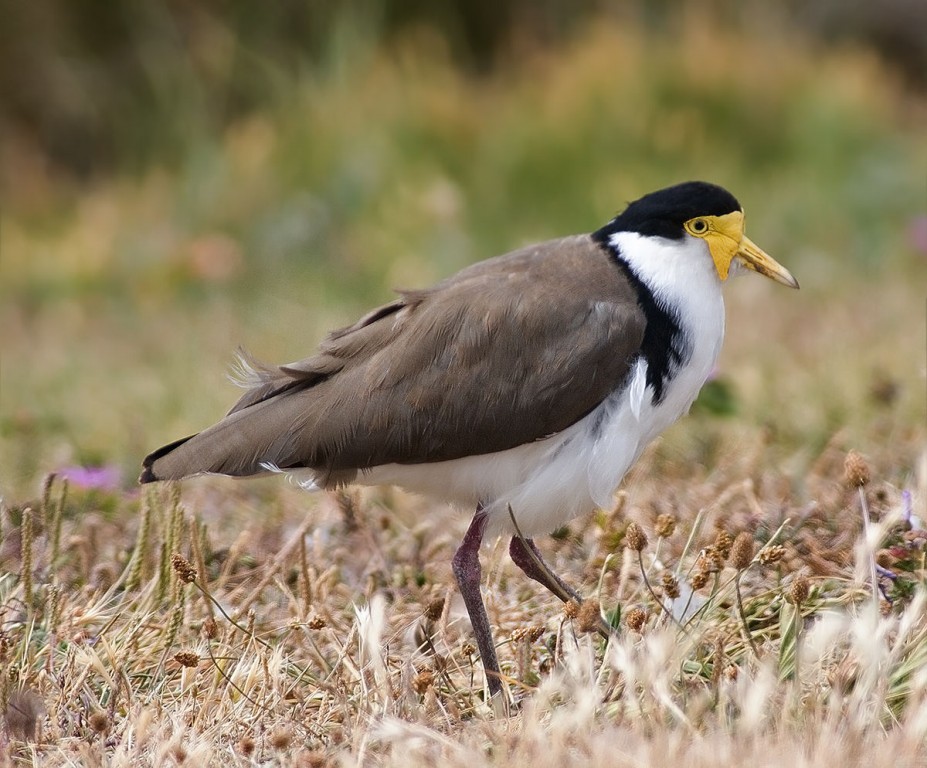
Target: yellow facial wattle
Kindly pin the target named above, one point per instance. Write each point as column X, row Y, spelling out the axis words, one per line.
column 726, row 241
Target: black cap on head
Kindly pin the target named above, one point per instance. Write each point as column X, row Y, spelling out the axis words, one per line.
column 662, row 213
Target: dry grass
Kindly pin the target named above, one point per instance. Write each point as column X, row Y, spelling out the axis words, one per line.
column 332, row 635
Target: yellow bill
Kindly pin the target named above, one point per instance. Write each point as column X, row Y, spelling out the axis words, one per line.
column 753, row 257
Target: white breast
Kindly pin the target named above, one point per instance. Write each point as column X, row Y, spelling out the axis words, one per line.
column 548, row 482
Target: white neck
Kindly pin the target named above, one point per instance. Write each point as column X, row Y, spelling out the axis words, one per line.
column 681, row 274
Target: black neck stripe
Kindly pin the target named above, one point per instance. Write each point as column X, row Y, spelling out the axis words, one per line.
column 664, row 347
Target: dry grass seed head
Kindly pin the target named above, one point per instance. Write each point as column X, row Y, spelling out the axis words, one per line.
column 665, row 525
column 530, row 634
column 742, row 551
column 103, row 576
column 183, row 568
column 635, row 538
column 317, row 622
column 246, row 745
column 99, row 722
column 179, row 752
column 723, row 544
column 772, row 555
column 587, row 619
column 635, row 619
column 187, row 659
column 313, row 759
column 47, row 484
column 856, row 471
column 423, row 681
column 699, row 579
column 710, row 560
column 281, row 738
column 798, row 592
column 26, row 555
column 210, row 628
column 670, row 585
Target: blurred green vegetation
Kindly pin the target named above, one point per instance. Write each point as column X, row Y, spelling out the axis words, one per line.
column 119, row 85
column 240, row 194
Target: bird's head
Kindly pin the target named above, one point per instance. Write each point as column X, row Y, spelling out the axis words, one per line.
column 707, row 212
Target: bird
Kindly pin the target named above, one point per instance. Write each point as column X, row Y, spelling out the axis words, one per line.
column 524, row 386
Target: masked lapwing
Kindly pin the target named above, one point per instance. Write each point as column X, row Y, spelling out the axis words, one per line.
column 524, row 386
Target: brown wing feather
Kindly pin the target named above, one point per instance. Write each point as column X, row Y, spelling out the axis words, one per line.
column 508, row 351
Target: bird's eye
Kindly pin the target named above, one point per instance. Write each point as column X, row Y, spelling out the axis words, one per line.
column 698, row 226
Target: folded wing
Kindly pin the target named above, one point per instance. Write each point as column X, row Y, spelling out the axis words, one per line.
column 508, row 351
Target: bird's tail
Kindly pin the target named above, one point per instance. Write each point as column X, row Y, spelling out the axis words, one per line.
column 246, row 442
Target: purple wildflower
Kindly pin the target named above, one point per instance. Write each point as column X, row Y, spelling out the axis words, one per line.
column 104, row 478
column 917, row 234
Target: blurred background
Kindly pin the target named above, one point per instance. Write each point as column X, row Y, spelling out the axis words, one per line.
column 181, row 178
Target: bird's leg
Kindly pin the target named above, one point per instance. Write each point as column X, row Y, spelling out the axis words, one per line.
column 467, row 571
column 525, row 555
